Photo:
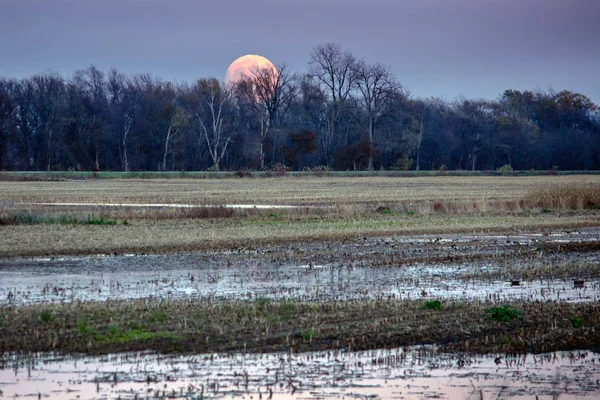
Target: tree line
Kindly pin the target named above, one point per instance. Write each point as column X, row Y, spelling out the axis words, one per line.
column 342, row 114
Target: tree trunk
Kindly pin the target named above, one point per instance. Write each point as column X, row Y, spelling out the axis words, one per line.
column 49, row 150
column 164, row 163
column 264, row 131
column 125, row 134
column 473, row 152
column 419, row 140
column 125, row 161
column 262, row 156
column 371, row 129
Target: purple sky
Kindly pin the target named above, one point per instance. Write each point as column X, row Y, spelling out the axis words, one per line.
column 442, row 48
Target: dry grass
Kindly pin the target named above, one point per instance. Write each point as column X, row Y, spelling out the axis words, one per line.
column 285, row 190
column 576, row 196
column 191, row 235
column 333, row 208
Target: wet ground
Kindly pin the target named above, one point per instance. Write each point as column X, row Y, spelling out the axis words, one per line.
column 534, row 266
column 408, row 373
column 556, row 265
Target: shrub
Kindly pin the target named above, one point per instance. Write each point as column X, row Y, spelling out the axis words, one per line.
column 278, row 169
column 403, row 163
column 505, row 169
column 244, row 173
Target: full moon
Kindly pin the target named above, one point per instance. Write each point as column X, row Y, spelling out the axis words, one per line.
column 245, row 66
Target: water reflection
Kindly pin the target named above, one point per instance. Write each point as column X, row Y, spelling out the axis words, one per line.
column 408, row 373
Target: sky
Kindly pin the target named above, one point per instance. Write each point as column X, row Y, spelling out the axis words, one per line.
column 436, row 48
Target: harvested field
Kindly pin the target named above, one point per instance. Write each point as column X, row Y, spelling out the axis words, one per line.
column 285, row 190
column 413, row 287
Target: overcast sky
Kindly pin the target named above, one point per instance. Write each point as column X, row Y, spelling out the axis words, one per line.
column 441, row 48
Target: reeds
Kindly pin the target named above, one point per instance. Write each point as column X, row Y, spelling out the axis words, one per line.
column 565, row 197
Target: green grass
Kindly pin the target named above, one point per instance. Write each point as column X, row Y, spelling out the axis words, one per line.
column 287, row 310
column 308, row 334
column 25, row 218
column 261, row 303
column 100, row 221
column 158, row 316
column 117, row 336
column 577, row 321
column 83, row 326
column 432, row 305
column 503, row 314
column 46, row 316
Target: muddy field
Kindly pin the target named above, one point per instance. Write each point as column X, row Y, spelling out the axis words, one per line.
column 527, row 266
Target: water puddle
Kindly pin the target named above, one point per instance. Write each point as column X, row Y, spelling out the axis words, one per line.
column 496, row 268
column 200, row 276
column 408, row 373
column 169, row 205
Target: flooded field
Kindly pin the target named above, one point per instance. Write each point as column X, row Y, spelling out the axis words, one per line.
column 405, row 373
column 320, row 293
column 554, row 266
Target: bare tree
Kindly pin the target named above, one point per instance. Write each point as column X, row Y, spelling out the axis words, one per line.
column 122, row 105
column 333, row 69
column 270, row 93
column 215, row 102
column 92, row 94
column 376, row 85
column 177, row 121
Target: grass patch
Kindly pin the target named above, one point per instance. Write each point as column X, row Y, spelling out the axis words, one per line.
column 158, row 316
column 287, row 310
column 308, row 334
column 100, row 221
column 83, row 326
column 261, row 303
column 117, row 336
column 354, row 325
column 27, row 218
column 46, row 316
column 503, row 314
column 432, row 305
column 577, row 322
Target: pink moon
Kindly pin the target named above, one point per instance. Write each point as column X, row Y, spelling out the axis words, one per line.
column 245, row 66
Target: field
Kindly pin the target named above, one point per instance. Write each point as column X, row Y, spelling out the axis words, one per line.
column 273, row 278
column 70, row 217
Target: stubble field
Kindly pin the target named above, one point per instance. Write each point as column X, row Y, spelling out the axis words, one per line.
column 316, row 272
